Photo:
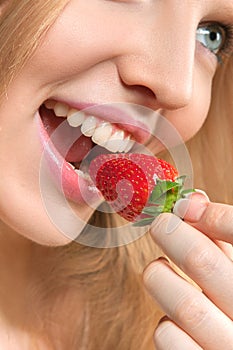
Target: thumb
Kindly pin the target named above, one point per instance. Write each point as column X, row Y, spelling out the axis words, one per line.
column 213, row 219
column 192, row 207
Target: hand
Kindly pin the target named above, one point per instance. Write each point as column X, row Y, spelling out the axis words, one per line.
column 197, row 318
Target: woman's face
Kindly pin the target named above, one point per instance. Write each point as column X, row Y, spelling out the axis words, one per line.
column 101, row 52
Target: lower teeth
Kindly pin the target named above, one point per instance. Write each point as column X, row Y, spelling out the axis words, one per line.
column 72, row 165
column 85, row 176
column 84, row 172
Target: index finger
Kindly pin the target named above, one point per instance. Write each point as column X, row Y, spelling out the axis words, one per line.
column 213, row 219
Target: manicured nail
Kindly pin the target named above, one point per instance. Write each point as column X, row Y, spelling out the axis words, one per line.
column 196, row 193
column 181, row 207
column 190, row 209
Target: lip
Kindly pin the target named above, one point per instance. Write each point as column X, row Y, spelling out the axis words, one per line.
column 114, row 114
column 75, row 187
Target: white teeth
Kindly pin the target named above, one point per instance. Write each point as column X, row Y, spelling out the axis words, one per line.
column 126, row 145
column 123, row 144
column 129, row 146
column 72, row 166
column 102, row 133
column 118, row 135
column 75, row 118
column 88, row 126
column 60, row 109
column 115, row 141
column 85, row 175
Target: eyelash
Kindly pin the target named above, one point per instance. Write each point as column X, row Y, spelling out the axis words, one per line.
column 227, row 48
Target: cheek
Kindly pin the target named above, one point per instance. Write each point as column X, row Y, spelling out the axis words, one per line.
column 190, row 119
column 75, row 42
column 23, row 206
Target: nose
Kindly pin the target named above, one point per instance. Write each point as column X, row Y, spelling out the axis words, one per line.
column 163, row 62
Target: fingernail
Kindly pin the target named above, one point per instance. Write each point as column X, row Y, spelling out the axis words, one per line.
column 190, row 209
column 196, row 193
column 164, row 223
column 181, row 207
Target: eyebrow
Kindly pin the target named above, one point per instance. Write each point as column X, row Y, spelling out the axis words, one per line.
column 225, row 9
column 227, row 5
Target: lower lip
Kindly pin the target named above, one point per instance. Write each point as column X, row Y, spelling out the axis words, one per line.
column 73, row 186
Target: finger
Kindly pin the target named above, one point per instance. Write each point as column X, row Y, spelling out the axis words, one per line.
column 190, row 309
column 169, row 336
column 227, row 248
column 198, row 256
column 213, row 219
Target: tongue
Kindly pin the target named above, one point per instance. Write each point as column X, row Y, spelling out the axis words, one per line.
column 69, row 141
column 79, row 149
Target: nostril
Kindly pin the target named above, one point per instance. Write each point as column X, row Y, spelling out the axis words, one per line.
column 141, row 89
column 143, row 95
column 164, row 91
column 146, row 91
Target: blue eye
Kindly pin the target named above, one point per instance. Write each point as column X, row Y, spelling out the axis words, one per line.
column 212, row 36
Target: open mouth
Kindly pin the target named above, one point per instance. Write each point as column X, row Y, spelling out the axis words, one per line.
column 84, row 130
column 77, row 135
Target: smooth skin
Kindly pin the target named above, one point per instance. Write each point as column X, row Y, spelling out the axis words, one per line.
column 196, row 318
column 159, row 65
column 148, row 56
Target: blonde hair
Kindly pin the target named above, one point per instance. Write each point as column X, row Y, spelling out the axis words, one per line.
column 116, row 313
column 22, row 24
column 211, row 149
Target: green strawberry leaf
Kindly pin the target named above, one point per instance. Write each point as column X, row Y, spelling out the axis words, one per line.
column 144, row 222
column 155, row 194
column 161, row 188
column 159, row 201
column 184, row 192
column 181, row 180
column 153, row 210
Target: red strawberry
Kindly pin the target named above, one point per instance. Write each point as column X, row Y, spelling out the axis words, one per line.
column 129, row 182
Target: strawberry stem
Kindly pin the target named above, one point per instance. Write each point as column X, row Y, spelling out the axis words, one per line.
column 162, row 199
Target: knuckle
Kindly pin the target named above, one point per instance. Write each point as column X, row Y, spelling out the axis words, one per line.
column 204, row 260
column 216, row 216
column 189, row 310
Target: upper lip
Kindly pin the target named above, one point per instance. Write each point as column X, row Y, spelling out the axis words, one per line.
column 115, row 113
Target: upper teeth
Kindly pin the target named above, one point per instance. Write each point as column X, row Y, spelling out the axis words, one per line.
column 101, row 132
